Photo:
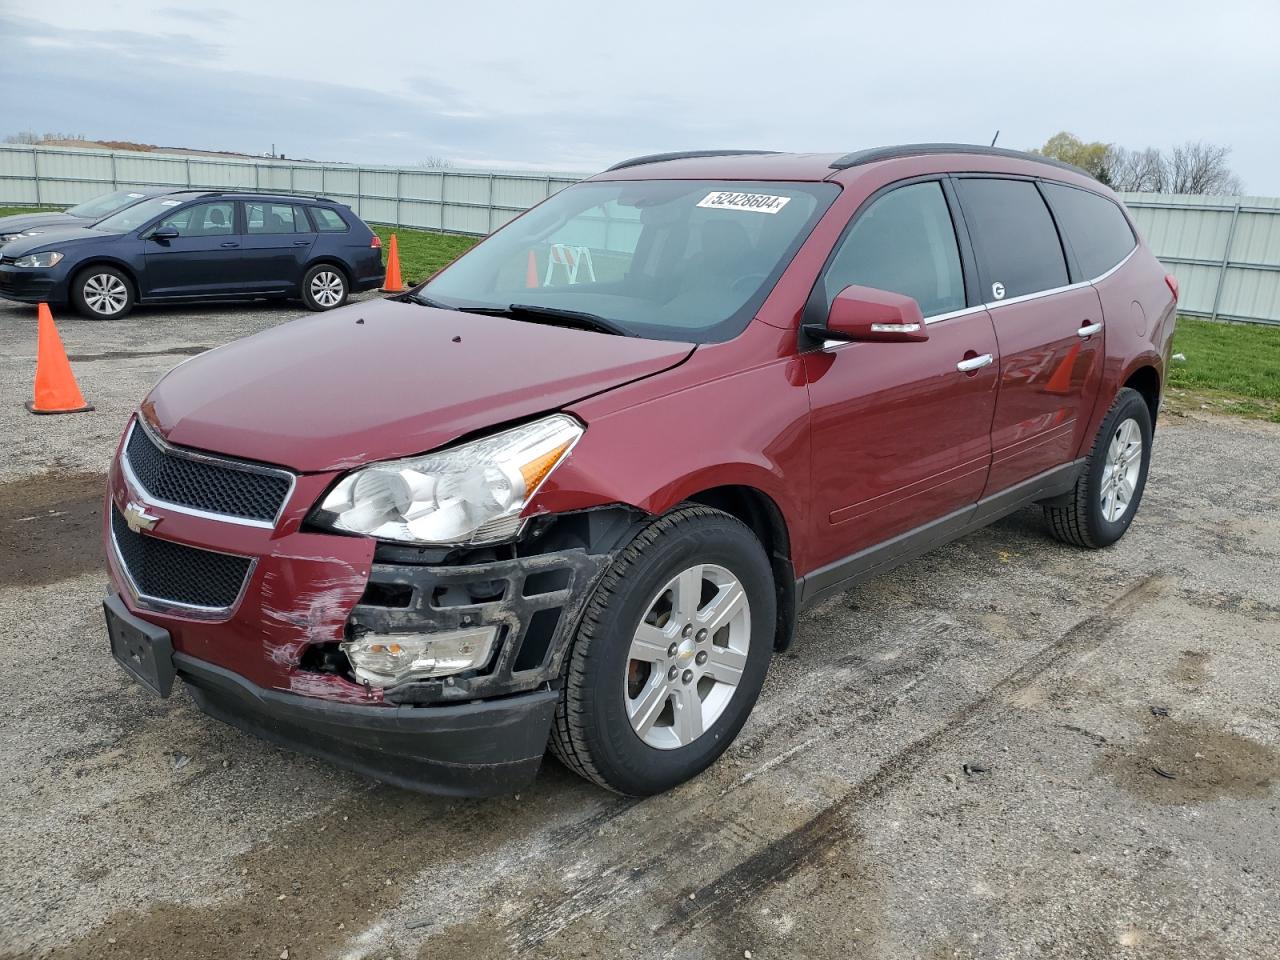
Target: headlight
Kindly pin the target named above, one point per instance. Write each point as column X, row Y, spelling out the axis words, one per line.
column 47, row 259
column 469, row 494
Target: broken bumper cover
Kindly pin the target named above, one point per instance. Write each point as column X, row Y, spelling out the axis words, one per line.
column 465, row 749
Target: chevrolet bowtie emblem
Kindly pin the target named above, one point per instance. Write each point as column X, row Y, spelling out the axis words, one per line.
column 137, row 518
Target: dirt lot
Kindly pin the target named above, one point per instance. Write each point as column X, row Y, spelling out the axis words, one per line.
column 1010, row 749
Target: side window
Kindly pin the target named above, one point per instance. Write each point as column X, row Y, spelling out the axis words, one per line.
column 202, row 220
column 271, row 218
column 1017, row 244
column 328, row 221
column 1099, row 234
column 904, row 242
column 300, row 220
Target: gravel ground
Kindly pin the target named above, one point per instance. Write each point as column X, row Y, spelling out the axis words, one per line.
column 1010, row 748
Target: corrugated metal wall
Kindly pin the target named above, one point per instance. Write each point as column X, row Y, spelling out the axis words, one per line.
column 457, row 201
column 1225, row 251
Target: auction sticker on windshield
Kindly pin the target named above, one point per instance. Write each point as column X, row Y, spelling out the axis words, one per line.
column 754, row 202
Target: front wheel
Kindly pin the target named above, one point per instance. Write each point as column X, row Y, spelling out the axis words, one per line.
column 324, row 287
column 1105, row 499
column 670, row 656
column 102, row 293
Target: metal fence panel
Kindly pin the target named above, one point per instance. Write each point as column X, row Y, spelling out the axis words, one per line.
column 1225, row 251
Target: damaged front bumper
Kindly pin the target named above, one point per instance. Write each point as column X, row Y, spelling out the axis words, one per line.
column 271, row 664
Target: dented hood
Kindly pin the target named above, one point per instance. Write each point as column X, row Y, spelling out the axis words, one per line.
column 384, row 379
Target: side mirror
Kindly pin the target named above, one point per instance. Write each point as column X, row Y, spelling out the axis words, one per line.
column 865, row 313
column 165, row 233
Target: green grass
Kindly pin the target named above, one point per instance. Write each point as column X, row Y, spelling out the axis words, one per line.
column 1233, row 365
column 423, row 253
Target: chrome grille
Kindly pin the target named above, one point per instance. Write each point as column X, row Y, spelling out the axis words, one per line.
column 241, row 491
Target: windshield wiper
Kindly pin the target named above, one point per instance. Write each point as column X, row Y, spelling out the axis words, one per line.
column 424, row 300
column 534, row 314
column 559, row 317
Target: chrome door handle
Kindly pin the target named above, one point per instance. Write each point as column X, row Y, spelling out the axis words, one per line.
column 1089, row 329
column 974, row 363
column 229, row 243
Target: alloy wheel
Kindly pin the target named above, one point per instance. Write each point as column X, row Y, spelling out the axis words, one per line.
column 1121, row 469
column 105, row 294
column 327, row 288
column 687, row 656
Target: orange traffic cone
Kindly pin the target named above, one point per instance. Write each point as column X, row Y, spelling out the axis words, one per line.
column 1060, row 379
column 531, row 272
column 393, row 283
column 56, row 390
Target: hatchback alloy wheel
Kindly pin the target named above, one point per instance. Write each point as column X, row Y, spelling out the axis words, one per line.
column 106, row 294
column 328, row 289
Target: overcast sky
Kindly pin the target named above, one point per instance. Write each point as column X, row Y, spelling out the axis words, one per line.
column 578, row 85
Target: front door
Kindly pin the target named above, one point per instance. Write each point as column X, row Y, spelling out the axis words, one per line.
column 203, row 260
column 1049, row 330
column 900, row 431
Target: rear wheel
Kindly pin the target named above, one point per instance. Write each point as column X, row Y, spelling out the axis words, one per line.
column 1105, row 499
column 324, row 287
column 102, row 293
column 670, row 655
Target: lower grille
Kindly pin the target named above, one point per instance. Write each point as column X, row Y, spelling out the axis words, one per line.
column 171, row 573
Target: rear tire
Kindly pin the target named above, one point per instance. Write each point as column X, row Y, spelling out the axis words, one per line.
column 1106, row 496
column 102, row 293
column 325, row 287
column 633, row 716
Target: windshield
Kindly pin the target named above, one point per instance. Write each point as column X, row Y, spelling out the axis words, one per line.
column 130, row 218
column 105, row 205
column 688, row 260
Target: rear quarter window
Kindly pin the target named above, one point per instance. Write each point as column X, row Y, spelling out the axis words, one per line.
column 328, row 221
column 1099, row 233
column 1018, row 249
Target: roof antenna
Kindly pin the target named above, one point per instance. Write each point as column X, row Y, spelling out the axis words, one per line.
column 995, row 138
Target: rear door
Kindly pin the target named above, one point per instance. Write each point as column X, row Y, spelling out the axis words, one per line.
column 1049, row 329
column 277, row 244
column 900, row 431
column 203, row 260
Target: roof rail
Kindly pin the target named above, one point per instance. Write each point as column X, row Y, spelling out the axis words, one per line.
column 859, row 157
column 685, row 155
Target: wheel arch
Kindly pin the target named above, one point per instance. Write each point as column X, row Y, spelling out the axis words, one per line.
column 326, row 259
column 106, row 261
column 764, row 517
column 1146, row 380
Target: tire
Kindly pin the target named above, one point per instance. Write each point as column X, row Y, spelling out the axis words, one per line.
column 602, row 684
column 1095, row 514
column 102, row 293
column 325, row 287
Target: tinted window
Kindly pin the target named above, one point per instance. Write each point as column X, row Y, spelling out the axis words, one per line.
column 1098, row 232
column 1017, row 244
column 327, row 221
column 904, row 242
column 300, row 220
column 271, row 218
column 202, row 220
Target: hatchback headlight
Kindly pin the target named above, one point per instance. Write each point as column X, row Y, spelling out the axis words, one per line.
column 469, row 494
column 49, row 258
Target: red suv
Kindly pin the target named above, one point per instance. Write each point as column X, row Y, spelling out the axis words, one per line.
column 575, row 488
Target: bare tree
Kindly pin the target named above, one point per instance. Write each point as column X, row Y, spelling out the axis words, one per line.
column 1199, row 167
column 1193, row 167
column 435, row 163
column 1137, row 171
